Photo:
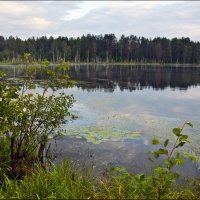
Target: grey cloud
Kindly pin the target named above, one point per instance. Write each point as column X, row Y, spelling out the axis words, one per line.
column 161, row 20
column 22, row 24
column 149, row 20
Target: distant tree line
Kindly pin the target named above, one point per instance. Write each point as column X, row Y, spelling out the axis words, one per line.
column 101, row 48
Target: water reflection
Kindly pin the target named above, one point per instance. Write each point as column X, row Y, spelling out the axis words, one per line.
column 128, row 153
column 118, row 126
column 94, row 77
column 108, row 78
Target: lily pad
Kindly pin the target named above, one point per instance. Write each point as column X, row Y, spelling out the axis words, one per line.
column 96, row 135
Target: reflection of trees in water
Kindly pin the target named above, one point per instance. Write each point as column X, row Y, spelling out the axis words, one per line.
column 107, row 78
column 134, row 77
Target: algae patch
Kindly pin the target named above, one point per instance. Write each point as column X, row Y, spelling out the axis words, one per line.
column 96, row 135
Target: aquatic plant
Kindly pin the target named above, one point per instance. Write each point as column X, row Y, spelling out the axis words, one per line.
column 96, row 135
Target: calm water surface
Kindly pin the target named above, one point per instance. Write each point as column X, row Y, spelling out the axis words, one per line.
column 121, row 108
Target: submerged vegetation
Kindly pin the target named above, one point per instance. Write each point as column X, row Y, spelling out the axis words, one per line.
column 28, row 122
column 97, row 135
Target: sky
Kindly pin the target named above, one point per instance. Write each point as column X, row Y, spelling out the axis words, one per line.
column 74, row 18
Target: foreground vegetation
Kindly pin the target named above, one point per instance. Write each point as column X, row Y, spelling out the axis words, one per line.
column 68, row 182
column 31, row 113
column 64, row 182
column 28, row 122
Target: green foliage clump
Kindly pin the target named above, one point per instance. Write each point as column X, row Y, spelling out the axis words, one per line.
column 29, row 119
column 123, row 185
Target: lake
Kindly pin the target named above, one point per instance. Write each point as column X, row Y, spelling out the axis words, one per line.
column 121, row 108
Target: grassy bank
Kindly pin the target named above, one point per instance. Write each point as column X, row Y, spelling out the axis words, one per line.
column 64, row 182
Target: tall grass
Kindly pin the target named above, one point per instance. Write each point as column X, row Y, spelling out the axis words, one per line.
column 64, row 182
column 123, row 185
column 60, row 183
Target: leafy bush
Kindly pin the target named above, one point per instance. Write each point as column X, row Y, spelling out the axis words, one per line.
column 28, row 119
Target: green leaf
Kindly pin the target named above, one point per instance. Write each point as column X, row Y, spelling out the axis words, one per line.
column 160, row 170
column 141, row 177
column 155, row 155
column 166, row 142
column 181, row 144
column 155, row 141
column 167, row 162
column 183, row 138
column 177, row 131
column 189, row 124
column 179, row 161
column 192, row 158
column 162, row 151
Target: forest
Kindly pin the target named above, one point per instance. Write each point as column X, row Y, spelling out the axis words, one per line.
column 102, row 48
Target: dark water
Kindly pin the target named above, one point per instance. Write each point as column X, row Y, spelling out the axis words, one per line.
column 133, row 78
column 121, row 108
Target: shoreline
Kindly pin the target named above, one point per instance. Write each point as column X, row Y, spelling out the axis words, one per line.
column 114, row 64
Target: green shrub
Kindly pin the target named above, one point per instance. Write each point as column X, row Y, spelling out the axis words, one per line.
column 28, row 120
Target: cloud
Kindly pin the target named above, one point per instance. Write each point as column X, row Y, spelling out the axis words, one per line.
column 32, row 18
column 38, row 23
column 84, row 8
column 13, row 8
column 74, row 18
column 149, row 19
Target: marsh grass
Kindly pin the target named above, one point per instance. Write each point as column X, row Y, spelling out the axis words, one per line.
column 66, row 182
column 123, row 185
column 60, row 183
